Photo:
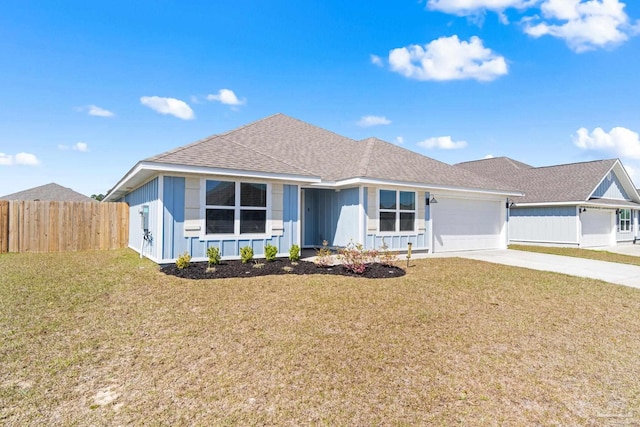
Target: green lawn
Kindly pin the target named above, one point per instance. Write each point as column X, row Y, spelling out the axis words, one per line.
column 580, row 253
column 103, row 338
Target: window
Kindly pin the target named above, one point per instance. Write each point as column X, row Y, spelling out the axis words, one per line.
column 235, row 207
column 397, row 211
column 624, row 220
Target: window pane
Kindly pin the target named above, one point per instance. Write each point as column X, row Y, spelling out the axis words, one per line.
column 253, row 195
column 221, row 193
column 387, row 221
column 387, row 199
column 407, row 201
column 253, row 222
column 407, row 221
column 220, row 221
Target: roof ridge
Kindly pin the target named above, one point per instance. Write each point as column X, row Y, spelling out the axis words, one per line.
column 577, row 163
column 363, row 167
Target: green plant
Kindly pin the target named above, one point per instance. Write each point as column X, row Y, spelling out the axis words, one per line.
column 183, row 261
column 294, row 253
column 323, row 255
column 246, row 254
column 213, row 253
column 270, row 252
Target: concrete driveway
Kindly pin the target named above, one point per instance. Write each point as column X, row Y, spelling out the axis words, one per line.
column 621, row 274
column 624, row 249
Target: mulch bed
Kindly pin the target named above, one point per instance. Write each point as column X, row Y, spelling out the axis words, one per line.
column 235, row 268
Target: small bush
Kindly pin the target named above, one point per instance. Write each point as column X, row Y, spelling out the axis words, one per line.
column 387, row 257
column 214, row 255
column 294, row 253
column 355, row 258
column 183, row 261
column 270, row 252
column 323, row 255
column 246, row 254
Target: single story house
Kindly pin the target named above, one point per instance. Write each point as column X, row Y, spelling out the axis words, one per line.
column 587, row 204
column 49, row 192
column 283, row 181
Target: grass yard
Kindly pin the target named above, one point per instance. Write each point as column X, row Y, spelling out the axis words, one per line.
column 103, row 338
column 580, row 253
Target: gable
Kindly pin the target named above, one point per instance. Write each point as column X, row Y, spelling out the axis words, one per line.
column 610, row 188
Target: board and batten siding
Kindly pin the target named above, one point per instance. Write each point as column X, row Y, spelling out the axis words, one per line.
column 374, row 240
column 610, row 188
column 332, row 216
column 183, row 222
column 146, row 194
column 555, row 225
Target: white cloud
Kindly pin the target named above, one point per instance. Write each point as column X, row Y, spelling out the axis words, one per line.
column 488, row 156
column 367, row 121
column 175, row 107
column 80, row 146
column 620, row 141
column 376, row 60
column 227, row 97
column 583, row 25
column 399, row 140
column 27, row 159
column 448, row 58
column 442, row 142
column 94, row 110
column 474, row 7
column 633, row 173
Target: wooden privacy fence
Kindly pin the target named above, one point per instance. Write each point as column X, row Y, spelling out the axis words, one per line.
column 42, row 226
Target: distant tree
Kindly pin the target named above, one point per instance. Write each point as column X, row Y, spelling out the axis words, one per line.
column 97, row 197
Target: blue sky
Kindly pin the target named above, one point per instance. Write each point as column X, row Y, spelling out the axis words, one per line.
column 90, row 88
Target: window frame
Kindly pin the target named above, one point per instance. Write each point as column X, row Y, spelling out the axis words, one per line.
column 627, row 221
column 398, row 211
column 237, row 208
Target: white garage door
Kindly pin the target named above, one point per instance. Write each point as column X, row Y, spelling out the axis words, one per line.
column 597, row 228
column 463, row 224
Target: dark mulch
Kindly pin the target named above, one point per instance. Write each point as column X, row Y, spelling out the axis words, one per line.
column 235, row 268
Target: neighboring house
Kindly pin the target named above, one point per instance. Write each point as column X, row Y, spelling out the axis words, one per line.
column 49, row 192
column 282, row 181
column 586, row 204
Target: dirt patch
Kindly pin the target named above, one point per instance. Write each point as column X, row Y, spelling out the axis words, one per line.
column 235, row 268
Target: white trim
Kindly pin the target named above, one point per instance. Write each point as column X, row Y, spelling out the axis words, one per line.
column 361, row 216
column 384, row 182
column 201, row 170
column 299, row 222
column 236, row 235
column 545, row 241
column 397, row 211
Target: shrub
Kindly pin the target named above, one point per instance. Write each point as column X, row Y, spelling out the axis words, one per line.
column 270, row 252
column 323, row 255
column 213, row 253
column 183, row 261
column 246, row 254
column 354, row 257
column 294, row 253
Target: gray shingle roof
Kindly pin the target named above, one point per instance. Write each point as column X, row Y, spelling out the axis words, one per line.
column 282, row 144
column 561, row 183
column 49, row 192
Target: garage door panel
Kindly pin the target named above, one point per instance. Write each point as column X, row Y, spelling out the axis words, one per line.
column 597, row 228
column 463, row 224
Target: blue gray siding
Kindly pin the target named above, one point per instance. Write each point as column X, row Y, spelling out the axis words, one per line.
column 144, row 195
column 544, row 225
column 331, row 215
column 610, row 188
column 175, row 242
